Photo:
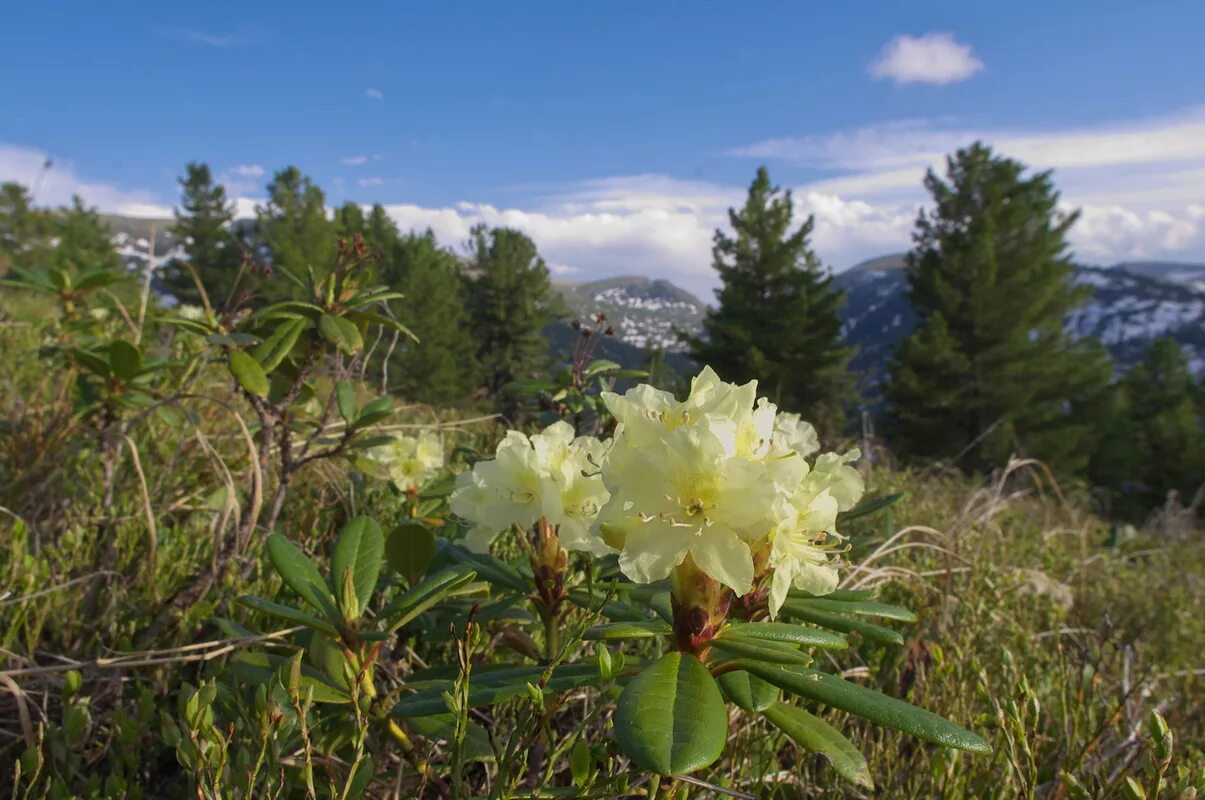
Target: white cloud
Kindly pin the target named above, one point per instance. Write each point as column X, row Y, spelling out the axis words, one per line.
column 374, row 94
column 210, row 39
column 248, row 170
column 931, row 58
column 354, row 161
column 57, row 184
column 373, row 181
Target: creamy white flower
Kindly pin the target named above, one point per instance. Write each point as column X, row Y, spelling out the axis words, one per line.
column 551, row 475
column 190, row 312
column 792, row 434
column 407, row 461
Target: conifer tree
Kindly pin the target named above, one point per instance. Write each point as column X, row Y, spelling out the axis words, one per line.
column 84, row 241
column 440, row 368
column 511, row 302
column 203, row 225
column 990, row 370
column 1153, row 443
column 778, row 314
column 293, row 225
column 24, row 229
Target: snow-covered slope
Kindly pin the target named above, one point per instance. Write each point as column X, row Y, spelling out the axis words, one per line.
column 643, row 312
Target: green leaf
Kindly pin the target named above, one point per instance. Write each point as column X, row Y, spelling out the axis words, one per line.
column 761, row 650
column 279, row 344
column 377, row 410
column 92, row 361
column 345, row 398
column 409, row 550
column 838, row 622
column 874, row 706
column 489, row 568
column 125, row 360
column 287, row 612
column 425, row 594
column 748, row 691
column 249, row 374
column 858, row 608
column 257, row 667
column 836, row 594
column 671, row 719
column 380, row 319
column 786, row 632
column 299, row 573
column 817, row 736
column 599, row 365
column 498, row 686
column 359, row 548
column 871, row 505
column 628, row 630
column 342, row 333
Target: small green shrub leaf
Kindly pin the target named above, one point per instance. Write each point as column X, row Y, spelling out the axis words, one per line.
column 279, row 343
column 671, row 719
column 786, row 632
column 817, row 736
column 748, row 691
column 359, row 548
column 409, row 550
column 857, row 608
column 125, row 360
column 761, row 650
column 628, row 630
column 874, row 706
column 342, row 333
column 345, row 399
column 299, row 573
column 249, row 374
column 287, row 612
column 840, row 622
column 425, row 594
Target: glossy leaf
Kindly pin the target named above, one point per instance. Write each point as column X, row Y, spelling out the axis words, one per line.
column 870, row 505
column 279, row 344
column 342, row 333
column 299, row 573
column 786, row 632
column 858, row 608
column 125, row 360
column 425, row 594
column 409, row 550
column 817, row 736
column 647, row 629
column 671, row 718
column 748, row 691
column 761, row 650
column 249, row 374
column 287, row 612
column 874, row 706
column 345, row 399
column 360, row 548
column 499, row 686
column 839, row 622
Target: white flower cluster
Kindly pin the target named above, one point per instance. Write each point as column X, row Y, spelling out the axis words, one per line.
column 407, row 461
column 551, row 475
column 716, row 478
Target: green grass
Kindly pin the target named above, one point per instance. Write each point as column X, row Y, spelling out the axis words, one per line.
column 1042, row 628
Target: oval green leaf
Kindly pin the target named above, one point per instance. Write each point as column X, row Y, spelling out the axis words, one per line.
column 840, row 622
column 342, row 333
column 748, row 691
column 645, row 629
column 345, row 399
column 299, row 573
column 671, row 718
column 249, row 374
column 360, row 548
column 761, row 650
column 817, row 736
column 874, row 706
column 409, row 550
column 125, row 360
column 857, row 608
column 279, row 343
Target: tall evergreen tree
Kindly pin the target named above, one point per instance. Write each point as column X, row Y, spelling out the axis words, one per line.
column 440, row 367
column 1154, row 441
column 511, row 302
column 84, row 241
column 293, row 225
column 24, row 230
column 203, row 225
column 778, row 314
column 989, row 370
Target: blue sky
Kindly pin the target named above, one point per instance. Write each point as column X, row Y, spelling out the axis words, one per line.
column 617, row 133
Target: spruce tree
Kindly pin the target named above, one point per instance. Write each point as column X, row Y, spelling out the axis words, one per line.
column 1154, row 442
column 84, row 241
column 24, row 230
column 511, row 301
column 203, row 225
column 989, row 370
column 440, row 367
column 293, row 225
column 778, row 314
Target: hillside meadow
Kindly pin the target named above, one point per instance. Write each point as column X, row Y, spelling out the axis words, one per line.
column 151, row 617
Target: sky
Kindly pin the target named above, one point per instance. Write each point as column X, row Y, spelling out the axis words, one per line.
column 617, row 134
